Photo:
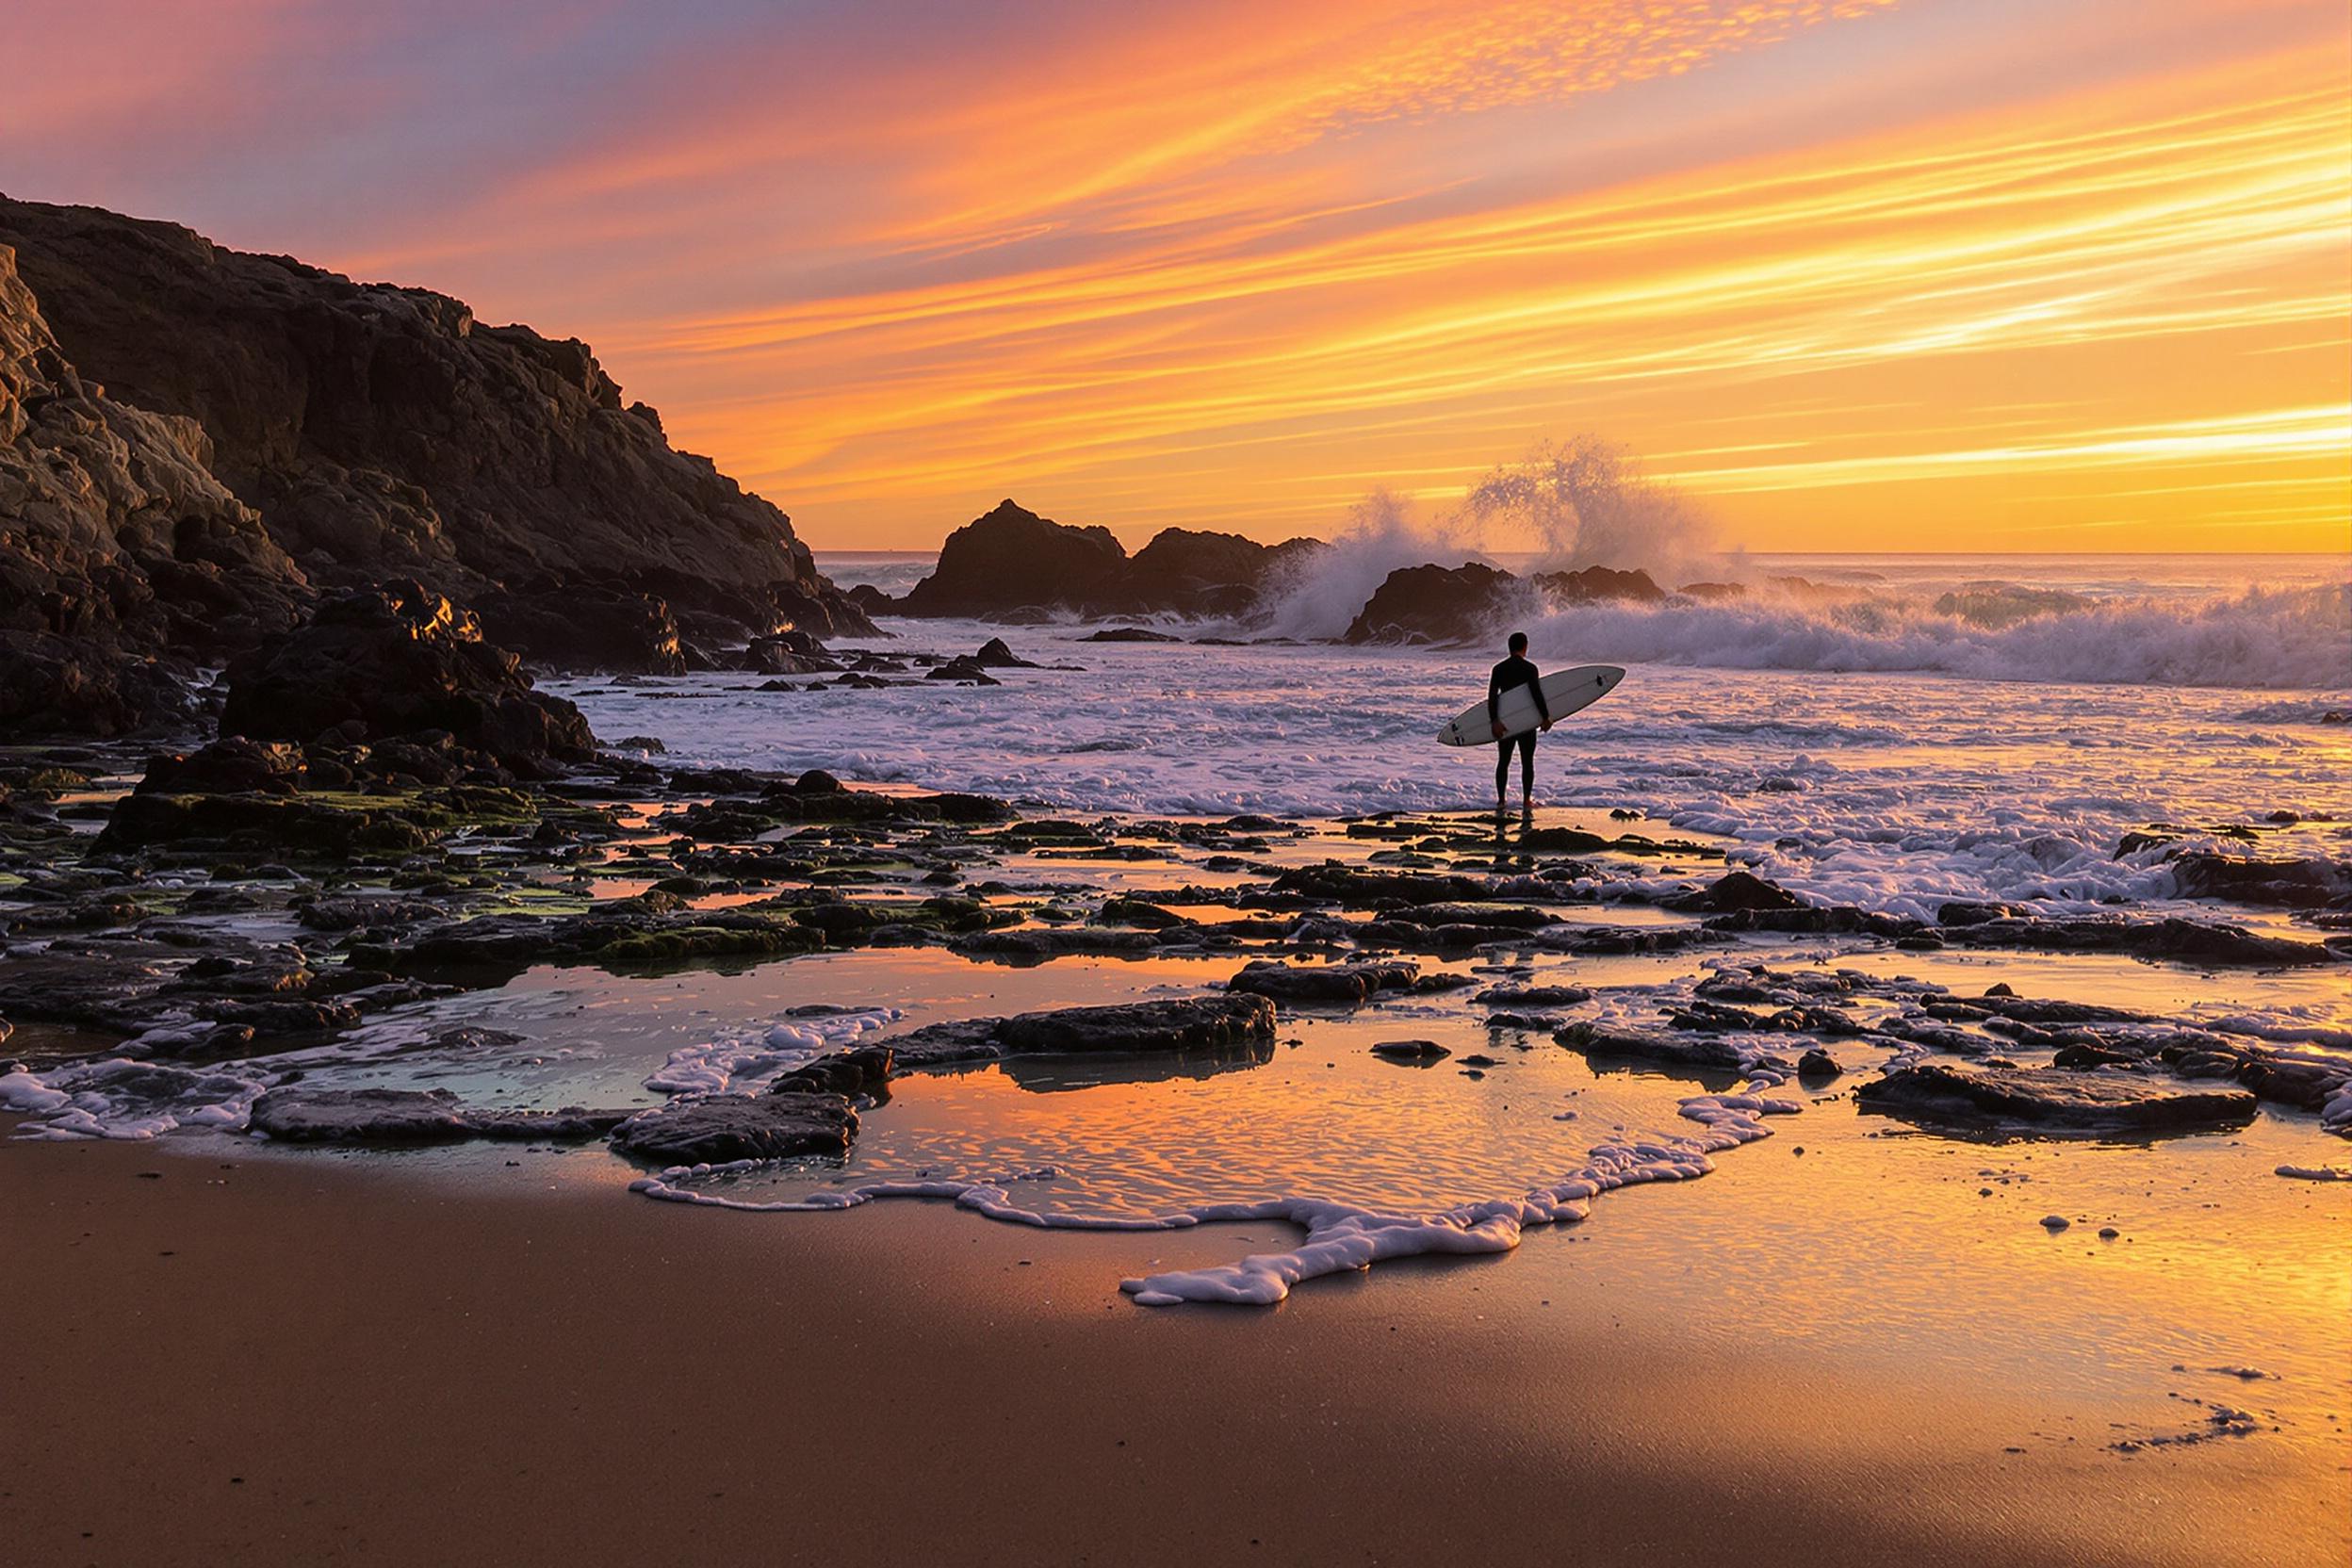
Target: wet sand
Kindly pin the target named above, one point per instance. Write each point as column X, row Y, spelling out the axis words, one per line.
column 270, row 1359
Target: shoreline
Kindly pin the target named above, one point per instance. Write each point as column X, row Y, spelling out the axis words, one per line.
column 540, row 1373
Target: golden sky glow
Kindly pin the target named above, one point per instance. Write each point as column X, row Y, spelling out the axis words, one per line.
column 1939, row 274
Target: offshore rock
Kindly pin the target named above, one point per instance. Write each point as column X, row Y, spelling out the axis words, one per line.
column 1438, row 604
column 1012, row 562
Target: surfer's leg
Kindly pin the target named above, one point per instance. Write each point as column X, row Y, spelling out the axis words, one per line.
column 1526, row 769
column 1502, row 771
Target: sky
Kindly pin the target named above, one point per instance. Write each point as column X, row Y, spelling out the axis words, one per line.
column 2052, row 275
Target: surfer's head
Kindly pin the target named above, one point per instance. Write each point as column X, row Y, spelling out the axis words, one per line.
column 1518, row 644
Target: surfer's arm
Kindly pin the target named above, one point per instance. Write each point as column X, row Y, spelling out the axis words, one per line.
column 1542, row 709
column 1495, row 696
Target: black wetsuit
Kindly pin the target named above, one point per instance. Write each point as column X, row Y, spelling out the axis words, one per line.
column 1510, row 675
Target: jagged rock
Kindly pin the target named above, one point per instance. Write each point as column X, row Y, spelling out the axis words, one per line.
column 1438, row 604
column 994, row 655
column 398, row 660
column 1010, row 558
column 52, row 686
column 1345, row 985
column 232, row 766
column 872, row 600
column 962, row 669
column 1735, row 891
column 723, row 1127
column 863, row 1071
column 378, row 432
column 115, row 535
column 575, row 626
column 1188, row 572
column 2051, row 1097
column 788, row 653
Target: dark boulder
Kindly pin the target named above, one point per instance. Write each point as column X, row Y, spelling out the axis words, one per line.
column 53, row 686
column 1343, row 985
column 1412, row 1053
column 396, row 661
column 575, row 627
column 233, row 766
column 1735, row 891
column 1439, row 604
column 994, row 655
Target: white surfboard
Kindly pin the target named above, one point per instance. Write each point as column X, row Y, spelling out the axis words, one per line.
column 1564, row 693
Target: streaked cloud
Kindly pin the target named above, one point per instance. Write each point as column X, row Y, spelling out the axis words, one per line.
column 2017, row 269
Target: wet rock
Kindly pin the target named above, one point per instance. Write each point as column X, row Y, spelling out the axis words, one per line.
column 863, row 1071
column 1704, row 1054
column 365, row 913
column 1438, row 604
column 1818, row 1065
column 1340, row 984
column 2180, row 940
column 1532, row 996
column 230, row 766
column 1039, row 945
column 994, row 655
column 1415, row 1052
column 1129, row 634
column 1838, row 921
column 1332, row 882
column 360, row 1116
column 788, row 653
column 722, row 1127
column 964, row 670
column 1217, row 1025
column 1735, row 891
column 2050, row 1096
column 2310, row 883
column 396, row 660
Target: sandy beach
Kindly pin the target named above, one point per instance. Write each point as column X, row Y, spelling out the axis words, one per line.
column 259, row 1359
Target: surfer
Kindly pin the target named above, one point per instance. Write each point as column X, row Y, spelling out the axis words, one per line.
column 1512, row 674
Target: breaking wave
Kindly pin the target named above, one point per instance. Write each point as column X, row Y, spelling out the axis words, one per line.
column 2269, row 639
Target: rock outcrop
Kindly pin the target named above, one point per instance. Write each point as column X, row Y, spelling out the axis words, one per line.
column 376, row 665
column 1469, row 603
column 116, row 543
column 269, row 428
column 1012, row 561
column 1439, row 604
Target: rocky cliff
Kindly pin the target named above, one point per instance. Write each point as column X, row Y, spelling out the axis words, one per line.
column 330, row 433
